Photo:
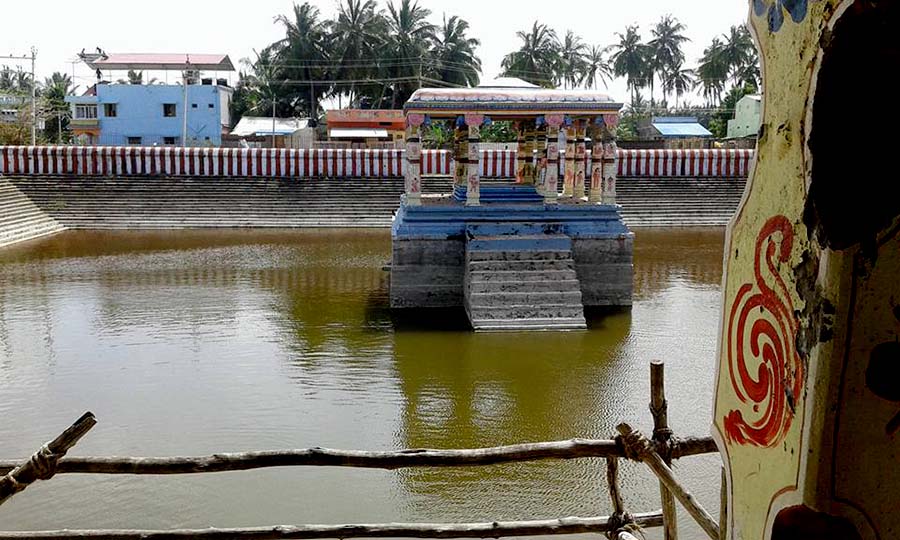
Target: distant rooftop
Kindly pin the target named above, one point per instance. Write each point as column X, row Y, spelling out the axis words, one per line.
column 159, row 62
column 252, row 126
column 506, row 82
column 679, row 126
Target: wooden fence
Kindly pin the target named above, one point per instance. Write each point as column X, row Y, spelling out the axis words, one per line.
column 657, row 453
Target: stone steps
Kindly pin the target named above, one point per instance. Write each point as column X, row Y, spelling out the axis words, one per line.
column 20, row 218
column 679, row 202
column 522, row 282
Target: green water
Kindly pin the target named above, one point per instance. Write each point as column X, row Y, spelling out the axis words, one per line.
column 189, row 343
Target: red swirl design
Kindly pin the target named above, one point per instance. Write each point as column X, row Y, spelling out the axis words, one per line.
column 764, row 316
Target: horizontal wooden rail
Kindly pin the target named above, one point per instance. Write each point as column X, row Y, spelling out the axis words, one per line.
column 497, row 529
column 572, row 449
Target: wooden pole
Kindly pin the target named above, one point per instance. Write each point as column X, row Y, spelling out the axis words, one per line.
column 571, row 449
column 612, row 480
column 723, row 507
column 659, row 409
column 572, row 525
column 42, row 465
column 642, row 447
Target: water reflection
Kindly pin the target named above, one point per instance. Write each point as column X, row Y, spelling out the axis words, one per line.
column 196, row 342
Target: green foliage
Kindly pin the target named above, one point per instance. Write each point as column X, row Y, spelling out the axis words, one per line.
column 375, row 57
column 500, row 131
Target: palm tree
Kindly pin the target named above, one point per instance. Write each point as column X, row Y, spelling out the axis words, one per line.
column 712, row 72
column 738, row 52
column 571, row 63
column 536, row 59
column 53, row 102
column 15, row 81
column 455, row 61
column 358, row 35
column 630, row 60
column 301, row 57
column 665, row 48
column 678, row 80
column 411, row 36
column 597, row 68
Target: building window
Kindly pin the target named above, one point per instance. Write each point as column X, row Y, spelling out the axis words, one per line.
column 85, row 112
column 211, row 106
column 171, row 141
column 193, row 105
column 169, row 110
column 110, row 110
column 134, row 140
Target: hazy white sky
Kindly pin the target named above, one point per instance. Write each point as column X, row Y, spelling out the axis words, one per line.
column 59, row 29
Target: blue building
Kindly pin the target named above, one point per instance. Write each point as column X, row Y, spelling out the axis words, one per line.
column 154, row 114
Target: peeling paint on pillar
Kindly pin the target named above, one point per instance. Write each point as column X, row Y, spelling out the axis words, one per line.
column 807, row 407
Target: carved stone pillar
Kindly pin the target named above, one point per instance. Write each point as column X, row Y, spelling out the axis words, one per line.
column 610, row 170
column 580, row 156
column 413, row 176
column 540, row 172
column 473, row 192
column 569, row 171
column 596, row 189
column 551, row 185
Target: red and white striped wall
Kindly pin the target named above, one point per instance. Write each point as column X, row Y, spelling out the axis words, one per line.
column 292, row 163
column 692, row 163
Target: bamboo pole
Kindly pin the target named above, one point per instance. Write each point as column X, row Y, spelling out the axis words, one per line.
column 612, row 480
column 723, row 507
column 662, row 434
column 572, row 449
column 572, row 525
column 42, row 465
column 642, row 447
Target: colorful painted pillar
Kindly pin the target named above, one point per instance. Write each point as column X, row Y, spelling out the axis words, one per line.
column 473, row 192
column 530, row 138
column 460, row 156
column 569, row 171
column 521, row 156
column 551, row 185
column 610, row 170
column 580, row 156
column 413, row 176
column 540, row 171
column 596, row 190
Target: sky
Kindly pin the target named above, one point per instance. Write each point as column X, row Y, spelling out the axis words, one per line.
column 60, row 29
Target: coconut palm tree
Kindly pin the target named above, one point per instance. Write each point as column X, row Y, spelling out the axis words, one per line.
column 54, row 106
column 679, row 81
column 630, row 60
column 712, row 73
column 454, row 55
column 358, row 34
column 537, row 57
column 738, row 52
column 301, row 57
column 664, row 50
column 596, row 68
column 409, row 42
column 571, row 62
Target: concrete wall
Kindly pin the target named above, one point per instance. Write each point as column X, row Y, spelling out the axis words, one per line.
column 428, row 273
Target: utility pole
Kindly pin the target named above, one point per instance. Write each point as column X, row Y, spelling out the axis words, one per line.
column 187, row 75
column 33, row 99
column 33, row 58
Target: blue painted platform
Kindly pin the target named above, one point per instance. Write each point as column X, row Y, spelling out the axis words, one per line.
column 508, row 210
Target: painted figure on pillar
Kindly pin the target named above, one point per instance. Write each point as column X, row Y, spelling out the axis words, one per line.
column 807, row 410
